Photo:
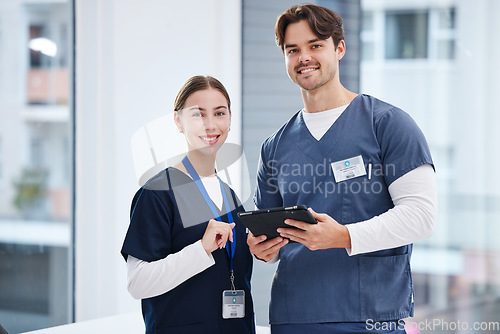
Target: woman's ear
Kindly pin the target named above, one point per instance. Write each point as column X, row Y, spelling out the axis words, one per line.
column 177, row 120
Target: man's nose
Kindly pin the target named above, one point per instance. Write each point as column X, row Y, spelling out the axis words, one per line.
column 305, row 57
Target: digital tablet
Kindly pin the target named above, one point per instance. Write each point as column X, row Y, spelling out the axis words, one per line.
column 265, row 222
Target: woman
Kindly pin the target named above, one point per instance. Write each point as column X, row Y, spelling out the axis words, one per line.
column 186, row 252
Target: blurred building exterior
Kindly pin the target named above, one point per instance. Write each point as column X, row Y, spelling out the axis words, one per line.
column 35, row 164
column 435, row 59
column 438, row 60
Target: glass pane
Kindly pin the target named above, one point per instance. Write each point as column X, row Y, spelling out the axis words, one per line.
column 35, row 165
column 446, row 49
column 367, row 22
column 368, row 51
column 406, row 35
column 447, row 18
column 456, row 271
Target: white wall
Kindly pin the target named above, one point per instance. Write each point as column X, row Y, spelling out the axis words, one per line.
column 131, row 58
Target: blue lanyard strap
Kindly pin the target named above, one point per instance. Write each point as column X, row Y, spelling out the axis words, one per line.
column 230, row 246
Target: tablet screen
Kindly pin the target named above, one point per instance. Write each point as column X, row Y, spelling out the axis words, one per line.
column 266, row 221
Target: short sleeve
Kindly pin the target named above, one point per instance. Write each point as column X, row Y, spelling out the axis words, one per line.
column 267, row 193
column 148, row 237
column 402, row 143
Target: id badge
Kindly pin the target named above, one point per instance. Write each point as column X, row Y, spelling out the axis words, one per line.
column 348, row 169
column 233, row 304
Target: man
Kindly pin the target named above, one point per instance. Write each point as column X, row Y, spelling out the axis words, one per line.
column 362, row 162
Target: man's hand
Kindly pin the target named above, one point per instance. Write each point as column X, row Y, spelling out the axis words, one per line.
column 327, row 233
column 262, row 249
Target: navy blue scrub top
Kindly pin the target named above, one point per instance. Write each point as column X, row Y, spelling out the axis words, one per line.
column 295, row 168
column 168, row 214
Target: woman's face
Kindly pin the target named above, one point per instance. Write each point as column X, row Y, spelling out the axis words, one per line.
column 205, row 120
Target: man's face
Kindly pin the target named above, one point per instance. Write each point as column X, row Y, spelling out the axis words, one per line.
column 310, row 62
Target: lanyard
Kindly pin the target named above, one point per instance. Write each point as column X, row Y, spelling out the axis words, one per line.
column 230, row 246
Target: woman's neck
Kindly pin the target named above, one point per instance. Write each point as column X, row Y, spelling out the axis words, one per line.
column 203, row 164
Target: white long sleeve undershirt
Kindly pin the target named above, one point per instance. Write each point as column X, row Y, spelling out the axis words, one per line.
column 150, row 279
column 411, row 219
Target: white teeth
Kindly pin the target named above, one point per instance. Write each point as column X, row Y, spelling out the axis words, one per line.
column 209, row 138
column 308, row 70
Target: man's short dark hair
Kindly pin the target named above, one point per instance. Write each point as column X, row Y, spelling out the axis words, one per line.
column 323, row 22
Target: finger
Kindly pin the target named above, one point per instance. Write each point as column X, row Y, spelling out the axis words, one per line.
column 274, row 249
column 292, row 233
column 297, row 223
column 218, row 241
column 253, row 240
column 317, row 216
column 231, row 231
column 264, row 247
column 298, row 239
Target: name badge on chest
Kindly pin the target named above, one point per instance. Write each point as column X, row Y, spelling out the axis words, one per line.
column 233, row 304
column 348, row 169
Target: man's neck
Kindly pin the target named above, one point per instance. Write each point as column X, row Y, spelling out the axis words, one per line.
column 326, row 98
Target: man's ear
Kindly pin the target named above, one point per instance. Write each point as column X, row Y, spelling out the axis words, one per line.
column 340, row 50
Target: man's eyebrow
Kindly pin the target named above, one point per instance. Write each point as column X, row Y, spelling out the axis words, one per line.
column 314, row 40
column 221, row 107
column 287, row 46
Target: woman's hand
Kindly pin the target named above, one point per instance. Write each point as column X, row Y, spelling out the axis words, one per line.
column 216, row 235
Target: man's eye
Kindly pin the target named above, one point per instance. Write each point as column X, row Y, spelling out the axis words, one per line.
column 316, row 46
column 292, row 51
column 220, row 113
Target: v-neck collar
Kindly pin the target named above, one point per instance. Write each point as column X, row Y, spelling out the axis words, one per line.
column 196, row 192
column 317, row 149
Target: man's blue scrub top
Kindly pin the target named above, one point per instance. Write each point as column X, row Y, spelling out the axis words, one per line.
column 168, row 214
column 328, row 285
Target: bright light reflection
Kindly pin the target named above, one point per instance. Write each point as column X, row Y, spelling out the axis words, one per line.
column 44, row 45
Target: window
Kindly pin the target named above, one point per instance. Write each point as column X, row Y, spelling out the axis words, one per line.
column 455, row 272
column 36, row 280
column 406, row 35
column 47, row 76
column 411, row 34
column 368, row 36
column 1, row 159
column 445, row 33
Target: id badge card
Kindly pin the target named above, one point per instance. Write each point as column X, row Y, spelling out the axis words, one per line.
column 348, row 169
column 233, row 304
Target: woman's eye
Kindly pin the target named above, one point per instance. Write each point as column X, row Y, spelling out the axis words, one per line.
column 220, row 113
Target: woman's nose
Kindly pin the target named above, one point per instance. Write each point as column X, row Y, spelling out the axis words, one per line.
column 209, row 122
